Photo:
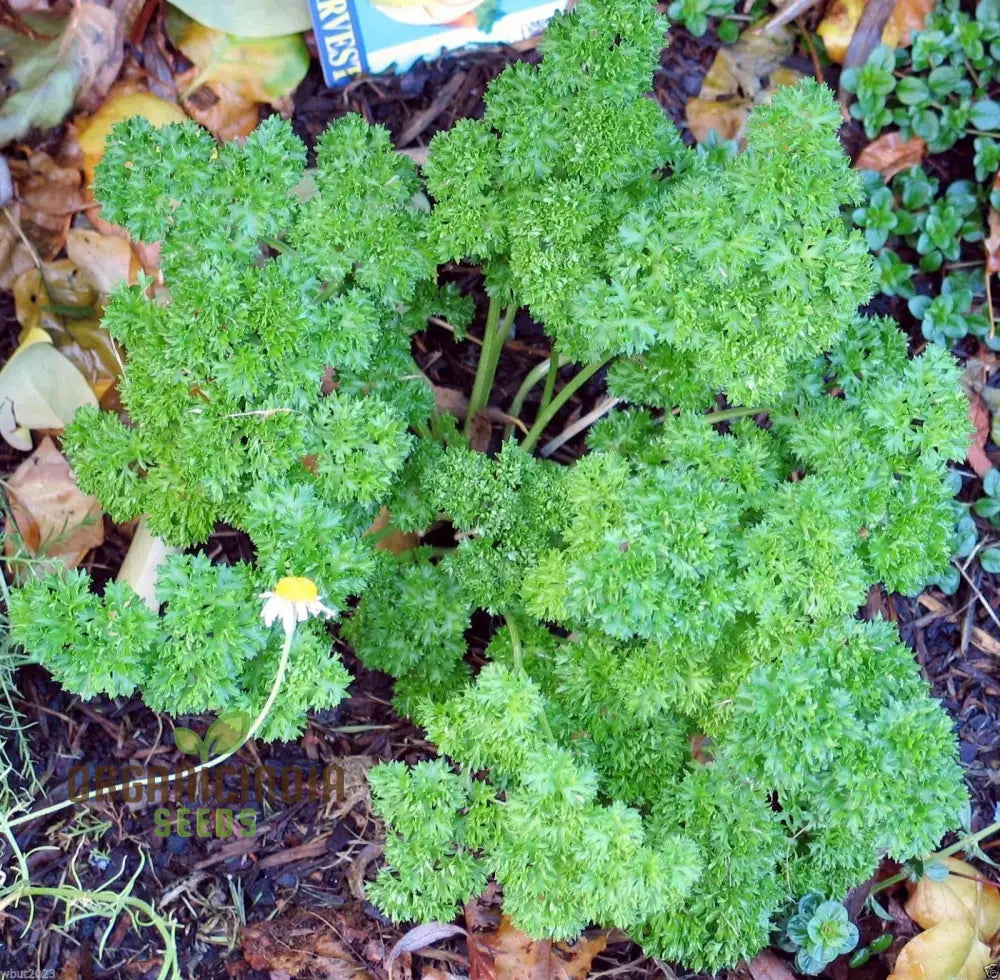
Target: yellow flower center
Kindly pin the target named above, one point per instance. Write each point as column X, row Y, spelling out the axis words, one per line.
column 294, row 588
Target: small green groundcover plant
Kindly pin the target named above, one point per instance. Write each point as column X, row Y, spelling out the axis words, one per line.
column 680, row 729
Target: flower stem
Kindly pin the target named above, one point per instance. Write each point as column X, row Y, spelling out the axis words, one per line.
column 566, row 392
column 122, row 787
column 489, row 357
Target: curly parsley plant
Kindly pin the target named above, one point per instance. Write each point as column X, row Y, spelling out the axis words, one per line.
column 678, row 727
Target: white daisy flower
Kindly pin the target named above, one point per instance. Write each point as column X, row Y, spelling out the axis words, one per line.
column 294, row 600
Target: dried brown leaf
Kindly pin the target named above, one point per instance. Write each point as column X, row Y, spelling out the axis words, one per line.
column 992, row 242
column 742, row 75
column 222, row 112
column 395, row 542
column 508, row 954
column 767, row 965
column 15, row 255
column 106, row 260
column 49, row 194
column 907, row 17
column 890, row 154
column 980, row 415
column 53, row 517
column 299, row 946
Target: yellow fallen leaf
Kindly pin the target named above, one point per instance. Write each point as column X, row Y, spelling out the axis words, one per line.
column 838, row 26
column 122, row 102
column 732, row 86
column 233, row 75
column 33, row 335
column 263, row 69
column 39, row 389
column 60, row 299
column 52, row 517
column 963, row 897
column 949, row 951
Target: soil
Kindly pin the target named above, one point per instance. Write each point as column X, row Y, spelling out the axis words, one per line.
column 299, row 878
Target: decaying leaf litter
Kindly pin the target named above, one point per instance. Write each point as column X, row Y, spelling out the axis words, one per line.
column 304, row 868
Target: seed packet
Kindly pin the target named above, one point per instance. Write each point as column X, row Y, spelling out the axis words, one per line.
column 371, row 36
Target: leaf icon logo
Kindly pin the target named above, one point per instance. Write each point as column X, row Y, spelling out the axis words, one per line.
column 227, row 732
column 190, row 743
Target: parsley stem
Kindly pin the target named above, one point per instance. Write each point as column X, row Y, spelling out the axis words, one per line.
column 550, row 381
column 732, row 413
column 532, row 378
column 566, row 392
column 518, row 652
column 489, row 357
column 515, row 643
column 277, row 245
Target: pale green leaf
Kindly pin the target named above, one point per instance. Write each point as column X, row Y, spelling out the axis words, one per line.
column 43, row 388
column 250, row 18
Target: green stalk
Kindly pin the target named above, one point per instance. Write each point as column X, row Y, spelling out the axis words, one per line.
column 489, row 358
column 531, row 379
column 515, row 645
column 566, row 392
column 548, row 391
column 959, row 845
column 732, row 413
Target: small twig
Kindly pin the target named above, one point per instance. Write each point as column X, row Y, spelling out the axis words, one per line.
column 438, row 322
column 813, row 53
column 866, row 37
column 614, row 971
column 987, row 275
column 578, row 426
column 441, row 101
column 787, row 14
column 979, row 595
column 20, row 234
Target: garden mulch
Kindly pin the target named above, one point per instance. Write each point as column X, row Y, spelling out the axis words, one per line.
column 289, row 900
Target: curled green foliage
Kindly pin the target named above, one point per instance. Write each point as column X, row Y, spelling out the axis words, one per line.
column 680, row 728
